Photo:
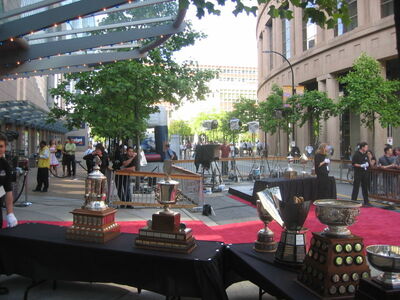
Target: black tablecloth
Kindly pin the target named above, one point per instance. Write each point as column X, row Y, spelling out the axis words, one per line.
column 240, row 260
column 306, row 187
column 40, row 251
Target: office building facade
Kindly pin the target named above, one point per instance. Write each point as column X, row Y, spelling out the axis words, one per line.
column 319, row 56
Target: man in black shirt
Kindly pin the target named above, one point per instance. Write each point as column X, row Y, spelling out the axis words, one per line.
column 122, row 182
column 5, row 193
column 360, row 164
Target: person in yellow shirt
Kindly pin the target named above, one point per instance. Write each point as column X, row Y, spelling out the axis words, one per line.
column 70, row 149
column 43, row 168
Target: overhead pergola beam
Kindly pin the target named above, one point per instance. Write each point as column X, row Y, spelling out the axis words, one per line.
column 68, row 46
column 53, row 16
column 57, row 62
column 132, row 6
column 97, row 28
column 27, row 8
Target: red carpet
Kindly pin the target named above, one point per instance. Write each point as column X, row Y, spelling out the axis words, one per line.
column 375, row 225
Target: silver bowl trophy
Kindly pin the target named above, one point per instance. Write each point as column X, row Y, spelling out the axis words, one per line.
column 265, row 237
column 291, row 215
column 335, row 262
column 165, row 231
column 95, row 221
column 386, row 258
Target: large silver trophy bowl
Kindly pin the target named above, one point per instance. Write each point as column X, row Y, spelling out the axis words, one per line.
column 385, row 258
column 291, row 215
column 337, row 214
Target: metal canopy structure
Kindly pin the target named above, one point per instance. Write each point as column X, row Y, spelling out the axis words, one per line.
column 53, row 36
column 25, row 113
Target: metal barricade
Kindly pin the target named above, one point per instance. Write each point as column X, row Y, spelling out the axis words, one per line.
column 384, row 184
column 140, row 189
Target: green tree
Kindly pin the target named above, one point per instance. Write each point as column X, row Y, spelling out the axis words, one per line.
column 321, row 12
column 246, row 110
column 274, row 113
column 180, row 127
column 313, row 106
column 117, row 99
column 369, row 95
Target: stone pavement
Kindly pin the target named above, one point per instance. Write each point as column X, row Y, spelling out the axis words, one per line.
column 65, row 194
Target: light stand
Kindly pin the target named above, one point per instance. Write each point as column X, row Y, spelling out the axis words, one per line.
column 234, row 125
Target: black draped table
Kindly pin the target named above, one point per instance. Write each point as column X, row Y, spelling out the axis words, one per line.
column 243, row 262
column 41, row 252
column 303, row 186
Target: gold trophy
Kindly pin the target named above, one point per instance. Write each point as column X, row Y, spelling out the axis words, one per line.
column 164, row 231
column 95, row 221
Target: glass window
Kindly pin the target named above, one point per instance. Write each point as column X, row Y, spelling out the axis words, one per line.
column 286, row 38
column 270, row 44
column 309, row 33
column 387, row 8
column 341, row 28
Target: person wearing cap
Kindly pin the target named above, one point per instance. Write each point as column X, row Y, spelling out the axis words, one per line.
column 6, row 193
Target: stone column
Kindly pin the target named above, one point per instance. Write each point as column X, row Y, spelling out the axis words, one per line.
column 323, row 133
column 333, row 124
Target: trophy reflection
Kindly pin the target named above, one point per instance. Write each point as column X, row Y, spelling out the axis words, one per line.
column 165, row 231
column 291, row 215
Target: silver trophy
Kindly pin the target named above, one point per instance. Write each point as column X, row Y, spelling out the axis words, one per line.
column 96, row 188
column 337, row 214
column 291, row 215
column 265, row 237
column 385, row 258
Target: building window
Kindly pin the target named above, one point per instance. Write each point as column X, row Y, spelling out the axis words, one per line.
column 341, row 28
column 270, row 44
column 286, row 38
column 387, row 8
column 309, row 32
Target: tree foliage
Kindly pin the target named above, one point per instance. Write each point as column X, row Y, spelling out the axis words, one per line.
column 371, row 96
column 117, row 99
column 274, row 113
column 313, row 106
column 180, row 127
column 321, row 12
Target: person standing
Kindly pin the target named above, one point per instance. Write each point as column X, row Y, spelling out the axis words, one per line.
column 53, row 159
column 6, row 193
column 360, row 164
column 122, row 182
column 225, row 150
column 70, row 149
column 321, row 165
column 43, row 168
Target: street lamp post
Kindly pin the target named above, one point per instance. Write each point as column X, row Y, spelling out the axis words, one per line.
column 293, row 88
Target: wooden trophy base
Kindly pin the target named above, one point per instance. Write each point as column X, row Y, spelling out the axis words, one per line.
column 93, row 226
column 371, row 290
column 291, row 249
column 334, row 266
column 166, row 234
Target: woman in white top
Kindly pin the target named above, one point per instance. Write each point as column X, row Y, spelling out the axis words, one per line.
column 53, row 159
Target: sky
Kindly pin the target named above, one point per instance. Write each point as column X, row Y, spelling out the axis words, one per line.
column 231, row 40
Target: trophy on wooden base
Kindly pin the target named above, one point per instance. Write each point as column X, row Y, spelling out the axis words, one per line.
column 165, row 231
column 384, row 258
column 335, row 262
column 291, row 215
column 95, row 221
column 265, row 237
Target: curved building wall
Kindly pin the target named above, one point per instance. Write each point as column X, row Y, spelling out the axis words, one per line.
column 319, row 66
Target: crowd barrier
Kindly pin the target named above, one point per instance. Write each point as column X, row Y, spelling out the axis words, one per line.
column 140, row 188
column 384, row 184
